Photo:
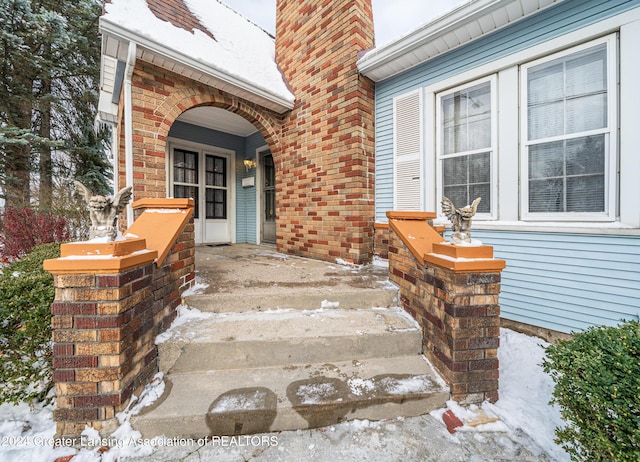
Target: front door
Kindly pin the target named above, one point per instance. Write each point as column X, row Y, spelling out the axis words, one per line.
column 205, row 176
column 268, row 198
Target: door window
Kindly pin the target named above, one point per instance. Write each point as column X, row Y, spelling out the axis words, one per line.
column 185, row 176
column 216, row 187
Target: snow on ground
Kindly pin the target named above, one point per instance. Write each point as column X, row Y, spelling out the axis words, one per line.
column 525, row 416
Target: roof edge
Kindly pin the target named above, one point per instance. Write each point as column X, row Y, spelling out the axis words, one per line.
column 466, row 13
column 125, row 35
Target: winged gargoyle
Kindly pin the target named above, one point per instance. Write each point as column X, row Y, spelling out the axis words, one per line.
column 460, row 219
column 103, row 211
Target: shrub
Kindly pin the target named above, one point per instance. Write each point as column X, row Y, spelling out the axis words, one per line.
column 597, row 376
column 26, row 294
column 23, row 229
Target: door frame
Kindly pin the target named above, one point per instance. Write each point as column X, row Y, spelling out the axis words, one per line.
column 259, row 195
column 203, row 150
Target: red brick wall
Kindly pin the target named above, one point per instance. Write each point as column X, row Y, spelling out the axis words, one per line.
column 104, row 330
column 381, row 240
column 325, row 167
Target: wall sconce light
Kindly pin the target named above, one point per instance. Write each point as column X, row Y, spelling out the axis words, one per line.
column 249, row 163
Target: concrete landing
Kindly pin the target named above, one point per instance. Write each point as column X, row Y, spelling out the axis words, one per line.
column 295, row 396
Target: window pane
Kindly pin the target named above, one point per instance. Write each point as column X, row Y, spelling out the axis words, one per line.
column 466, row 119
column 567, row 176
column 484, row 192
column 546, row 160
column 544, row 84
column 585, row 155
column 585, row 194
column 457, row 194
column 189, row 192
column 455, row 171
column 587, row 72
column 568, row 95
column 546, row 195
column 216, row 174
column 479, row 168
column 185, row 166
column 586, row 113
column 216, row 203
column 546, row 120
column 467, row 177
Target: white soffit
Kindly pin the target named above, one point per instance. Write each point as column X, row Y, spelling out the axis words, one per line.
column 461, row 25
column 218, row 119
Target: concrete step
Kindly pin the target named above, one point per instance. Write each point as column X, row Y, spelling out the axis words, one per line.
column 281, row 337
column 293, row 396
column 346, row 299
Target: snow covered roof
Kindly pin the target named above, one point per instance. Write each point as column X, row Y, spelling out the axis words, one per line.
column 201, row 39
column 468, row 21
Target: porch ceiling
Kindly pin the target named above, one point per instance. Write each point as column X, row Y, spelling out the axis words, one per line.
column 218, row 119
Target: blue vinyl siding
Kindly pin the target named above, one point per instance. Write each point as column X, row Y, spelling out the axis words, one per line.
column 246, row 224
column 567, row 282
column 245, row 204
column 550, row 23
column 202, row 135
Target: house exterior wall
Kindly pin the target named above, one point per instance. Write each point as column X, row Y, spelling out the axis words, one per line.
column 325, row 168
column 560, row 275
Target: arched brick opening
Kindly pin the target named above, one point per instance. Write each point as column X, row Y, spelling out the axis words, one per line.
column 158, row 98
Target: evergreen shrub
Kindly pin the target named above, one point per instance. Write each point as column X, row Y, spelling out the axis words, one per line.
column 597, row 377
column 26, row 294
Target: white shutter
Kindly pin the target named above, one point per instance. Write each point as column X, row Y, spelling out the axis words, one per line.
column 407, row 152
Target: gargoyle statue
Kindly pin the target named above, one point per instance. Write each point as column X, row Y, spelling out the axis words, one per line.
column 460, row 219
column 104, row 211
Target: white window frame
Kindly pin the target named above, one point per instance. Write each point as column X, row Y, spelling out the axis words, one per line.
column 493, row 149
column 610, row 132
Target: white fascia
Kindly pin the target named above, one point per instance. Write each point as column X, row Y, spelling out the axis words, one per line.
column 459, row 17
column 127, row 36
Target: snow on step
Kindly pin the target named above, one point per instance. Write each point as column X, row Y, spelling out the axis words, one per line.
column 270, row 338
column 346, row 299
column 295, row 396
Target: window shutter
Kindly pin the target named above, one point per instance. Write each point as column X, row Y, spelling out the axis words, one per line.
column 407, row 149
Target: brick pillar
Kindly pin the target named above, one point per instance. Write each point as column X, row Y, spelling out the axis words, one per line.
column 462, row 331
column 108, row 312
column 453, row 293
column 98, row 354
column 325, row 167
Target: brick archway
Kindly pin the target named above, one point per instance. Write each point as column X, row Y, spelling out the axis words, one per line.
column 158, row 98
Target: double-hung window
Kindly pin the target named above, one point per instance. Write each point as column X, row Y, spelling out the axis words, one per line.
column 466, row 145
column 568, row 104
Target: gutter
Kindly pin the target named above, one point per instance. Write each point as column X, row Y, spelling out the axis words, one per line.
column 128, row 125
column 125, row 35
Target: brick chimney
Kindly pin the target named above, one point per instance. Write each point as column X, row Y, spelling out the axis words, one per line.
column 325, row 167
